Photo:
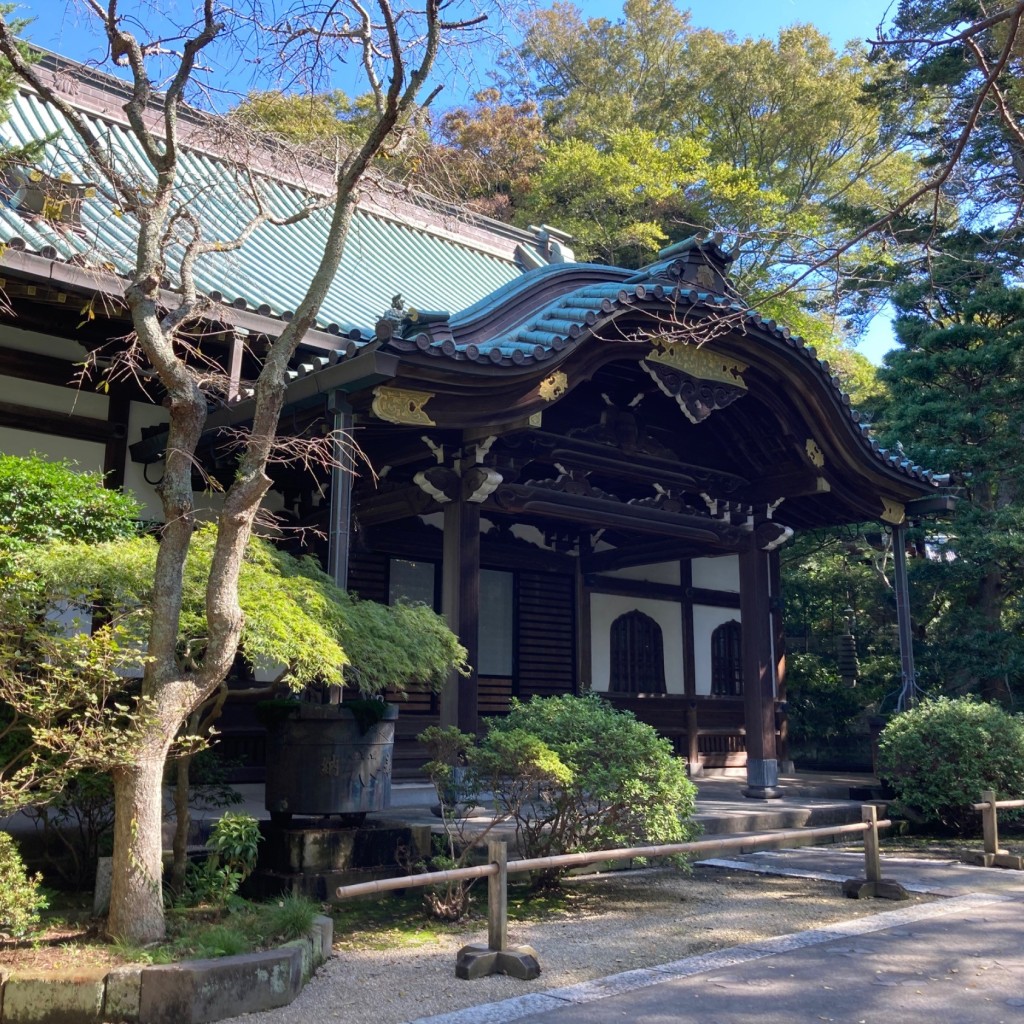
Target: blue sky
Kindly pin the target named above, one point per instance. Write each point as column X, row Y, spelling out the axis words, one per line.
column 62, row 26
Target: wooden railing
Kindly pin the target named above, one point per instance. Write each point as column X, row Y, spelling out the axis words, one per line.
column 498, row 868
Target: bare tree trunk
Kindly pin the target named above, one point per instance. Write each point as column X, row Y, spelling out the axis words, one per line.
column 136, row 902
column 182, row 824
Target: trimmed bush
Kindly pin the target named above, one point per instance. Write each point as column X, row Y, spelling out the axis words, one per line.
column 577, row 774
column 20, row 898
column 940, row 755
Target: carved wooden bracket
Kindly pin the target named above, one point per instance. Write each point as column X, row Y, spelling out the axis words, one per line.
column 700, row 381
column 397, row 405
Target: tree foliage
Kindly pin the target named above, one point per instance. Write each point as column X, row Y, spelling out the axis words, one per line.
column 75, row 617
column 41, row 500
column 960, row 61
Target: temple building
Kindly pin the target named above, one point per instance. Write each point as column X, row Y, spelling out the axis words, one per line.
column 589, row 470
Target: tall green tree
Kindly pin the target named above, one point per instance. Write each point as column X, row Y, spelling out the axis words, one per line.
column 955, row 384
column 962, row 62
column 658, row 129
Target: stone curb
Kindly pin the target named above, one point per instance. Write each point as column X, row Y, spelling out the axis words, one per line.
column 190, row 992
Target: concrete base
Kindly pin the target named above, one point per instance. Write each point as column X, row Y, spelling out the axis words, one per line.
column 762, row 779
column 481, row 961
column 999, row 859
column 862, row 889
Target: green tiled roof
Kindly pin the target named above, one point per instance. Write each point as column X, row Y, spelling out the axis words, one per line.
column 382, row 256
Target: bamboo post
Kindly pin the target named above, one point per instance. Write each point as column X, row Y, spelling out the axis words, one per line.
column 497, row 896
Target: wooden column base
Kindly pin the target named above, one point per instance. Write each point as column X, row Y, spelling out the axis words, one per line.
column 481, row 961
column 884, row 889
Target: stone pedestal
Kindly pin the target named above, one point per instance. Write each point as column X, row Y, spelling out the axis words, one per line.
column 480, row 961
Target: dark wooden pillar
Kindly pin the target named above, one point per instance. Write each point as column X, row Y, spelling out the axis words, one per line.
column 115, row 451
column 779, row 650
column 584, row 669
column 693, row 761
column 758, row 679
column 342, row 478
column 908, row 692
column 460, row 604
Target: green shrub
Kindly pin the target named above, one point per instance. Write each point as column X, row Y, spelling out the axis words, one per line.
column 20, row 898
column 940, row 755
column 576, row 774
column 77, row 825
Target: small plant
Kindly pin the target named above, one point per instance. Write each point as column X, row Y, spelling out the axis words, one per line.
column 940, row 755
column 20, row 897
column 233, row 846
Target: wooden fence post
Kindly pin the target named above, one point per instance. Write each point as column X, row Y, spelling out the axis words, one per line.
column 497, row 896
column 497, row 957
column 990, row 824
column 872, row 884
column 872, row 855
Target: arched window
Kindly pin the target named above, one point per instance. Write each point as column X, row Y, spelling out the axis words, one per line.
column 637, row 655
column 727, row 660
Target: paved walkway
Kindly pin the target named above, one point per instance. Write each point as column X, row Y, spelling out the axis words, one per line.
column 958, row 960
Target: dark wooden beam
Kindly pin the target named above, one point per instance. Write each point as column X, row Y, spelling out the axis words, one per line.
column 632, row 588
column 389, row 506
column 715, row 598
column 602, row 512
column 633, row 555
column 45, row 369
column 798, row 484
column 82, row 428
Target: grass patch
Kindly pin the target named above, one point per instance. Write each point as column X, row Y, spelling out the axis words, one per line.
column 403, row 919
column 192, row 933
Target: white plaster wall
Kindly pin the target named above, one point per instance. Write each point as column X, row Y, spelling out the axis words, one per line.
column 41, row 344
column 88, row 454
column 706, row 619
column 722, row 573
column 606, row 608
column 142, row 414
column 659, row 572
column 52, row 398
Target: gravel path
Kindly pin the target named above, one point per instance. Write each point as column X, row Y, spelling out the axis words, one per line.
column 618, row 921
